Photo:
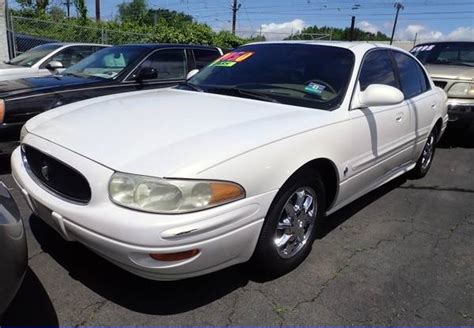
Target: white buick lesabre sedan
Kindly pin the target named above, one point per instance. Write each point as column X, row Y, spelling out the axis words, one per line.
column 239, row 163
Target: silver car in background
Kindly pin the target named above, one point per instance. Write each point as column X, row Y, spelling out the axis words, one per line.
column 13, row 250
column 451, row 66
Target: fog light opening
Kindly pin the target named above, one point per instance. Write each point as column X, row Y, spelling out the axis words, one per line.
column 170, row 257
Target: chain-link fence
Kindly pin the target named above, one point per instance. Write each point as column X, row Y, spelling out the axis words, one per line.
column 28, row 33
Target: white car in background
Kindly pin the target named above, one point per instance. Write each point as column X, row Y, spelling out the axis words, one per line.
column 46, row 59
column 239, row 163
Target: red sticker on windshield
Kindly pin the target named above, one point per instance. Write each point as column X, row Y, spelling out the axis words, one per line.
column 232, row 58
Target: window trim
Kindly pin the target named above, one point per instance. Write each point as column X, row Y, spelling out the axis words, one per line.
column 133, row 70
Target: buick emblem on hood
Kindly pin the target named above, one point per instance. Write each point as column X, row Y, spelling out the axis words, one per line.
column 45, row 171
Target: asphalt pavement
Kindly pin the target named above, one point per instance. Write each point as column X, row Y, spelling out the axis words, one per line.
column 402, row 255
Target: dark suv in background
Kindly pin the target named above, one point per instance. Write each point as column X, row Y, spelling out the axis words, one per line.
column 112, row 70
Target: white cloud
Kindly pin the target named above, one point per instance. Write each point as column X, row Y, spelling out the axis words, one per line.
column 275, row 31
column 368, row 27
column 462, row 34
column 425, row 34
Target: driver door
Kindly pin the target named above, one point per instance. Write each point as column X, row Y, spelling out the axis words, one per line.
column 379, row 133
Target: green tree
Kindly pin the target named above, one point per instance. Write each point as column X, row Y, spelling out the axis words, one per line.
column 309, row 33
column 134, row 11
column 56, row 13
column 169, row 16
column 81, row 9
column 38, row 5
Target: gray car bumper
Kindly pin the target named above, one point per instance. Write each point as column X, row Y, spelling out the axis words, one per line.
column 461, row 110
column 13, row 249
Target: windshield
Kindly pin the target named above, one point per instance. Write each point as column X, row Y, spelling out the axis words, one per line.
column 32, row 56
column 313, row 76
column 106, row 63
column 455, row 53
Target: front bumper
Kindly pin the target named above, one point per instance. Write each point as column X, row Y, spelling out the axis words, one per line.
column 224, row 235
column 461, row 110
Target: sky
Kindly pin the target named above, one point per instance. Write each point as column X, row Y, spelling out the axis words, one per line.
column 427, row 19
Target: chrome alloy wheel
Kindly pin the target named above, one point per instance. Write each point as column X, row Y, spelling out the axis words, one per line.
column 427, row 155
column 296, row 222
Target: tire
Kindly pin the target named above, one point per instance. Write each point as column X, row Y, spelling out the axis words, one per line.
column 285, row 219
column 426, row 158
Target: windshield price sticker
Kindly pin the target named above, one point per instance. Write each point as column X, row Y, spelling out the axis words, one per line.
column 314, row 88
column 232, row 58
column 423, row 48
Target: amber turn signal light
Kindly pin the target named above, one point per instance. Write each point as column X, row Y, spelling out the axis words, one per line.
column 170, row 257
column 2, row 110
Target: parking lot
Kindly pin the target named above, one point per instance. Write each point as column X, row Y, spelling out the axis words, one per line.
column 404, row 254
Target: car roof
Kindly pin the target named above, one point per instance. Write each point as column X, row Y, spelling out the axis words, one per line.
column 445, row 42
column 355, row 46
column 63, row 44
column 166, row 45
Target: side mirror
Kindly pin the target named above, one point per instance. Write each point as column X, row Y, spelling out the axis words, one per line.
column 147, row 73
column 380, row 95
column 53, row 66
column 192, row 73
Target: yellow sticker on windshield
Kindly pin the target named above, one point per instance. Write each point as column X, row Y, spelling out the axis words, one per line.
column 232, row 58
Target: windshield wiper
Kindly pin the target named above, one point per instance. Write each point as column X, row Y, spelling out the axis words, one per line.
column 72, row 74
column 243, row 92
column 191, row 86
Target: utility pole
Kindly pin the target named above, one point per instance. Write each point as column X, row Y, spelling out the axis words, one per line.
column 97, row 11
column 68, row 8
column 399, row 6
column 235, row 9
column 351, row 33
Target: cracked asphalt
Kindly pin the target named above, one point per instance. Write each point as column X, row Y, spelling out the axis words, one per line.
column 402, row 255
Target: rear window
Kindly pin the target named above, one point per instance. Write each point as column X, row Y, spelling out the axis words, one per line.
column 448, row 53
column 205, row 56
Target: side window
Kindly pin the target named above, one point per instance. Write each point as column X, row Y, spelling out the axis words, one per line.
column 204, row 57
column 170, row 64
column 412, row 81
column 72, row 55
column 377, row 69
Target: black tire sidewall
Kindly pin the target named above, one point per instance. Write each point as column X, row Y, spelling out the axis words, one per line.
column 418, row 172
column 266, row 257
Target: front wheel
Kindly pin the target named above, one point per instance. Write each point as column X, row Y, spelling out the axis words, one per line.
column 424, row 162
column 289, row 229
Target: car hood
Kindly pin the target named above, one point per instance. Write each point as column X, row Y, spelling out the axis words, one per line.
column 19, row 86
column 451, row 72
column 171, row 133
column 8, row 72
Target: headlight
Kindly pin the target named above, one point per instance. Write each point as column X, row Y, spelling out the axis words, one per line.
column 2, row 110
column 462, row 89
column 23, row 132
column 171, row 196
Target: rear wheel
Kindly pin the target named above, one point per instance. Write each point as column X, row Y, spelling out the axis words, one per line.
column 426, row 158
column 289, row 229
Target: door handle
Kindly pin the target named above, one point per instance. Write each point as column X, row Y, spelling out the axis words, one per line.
column 399, row 117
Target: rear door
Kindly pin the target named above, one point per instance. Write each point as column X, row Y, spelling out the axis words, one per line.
column 418, row 95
